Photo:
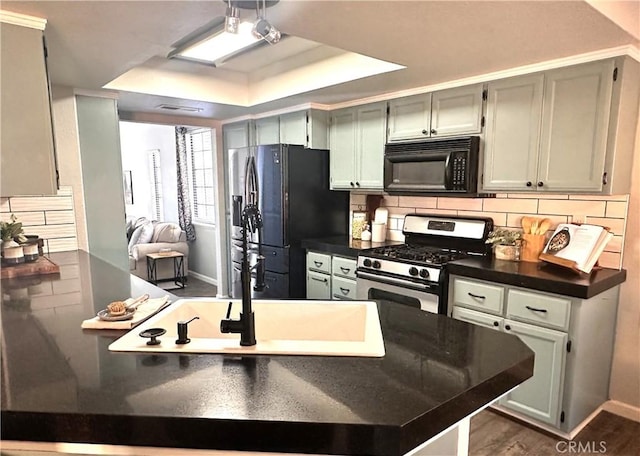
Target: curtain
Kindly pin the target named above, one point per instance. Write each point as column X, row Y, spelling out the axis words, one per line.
column 184, row 197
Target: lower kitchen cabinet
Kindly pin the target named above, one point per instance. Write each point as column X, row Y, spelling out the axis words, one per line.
column 572, row 339
column 330, row 277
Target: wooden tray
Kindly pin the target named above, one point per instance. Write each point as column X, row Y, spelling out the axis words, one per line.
column 42, row 265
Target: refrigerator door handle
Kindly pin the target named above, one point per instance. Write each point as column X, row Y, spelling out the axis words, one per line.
column 251, row 191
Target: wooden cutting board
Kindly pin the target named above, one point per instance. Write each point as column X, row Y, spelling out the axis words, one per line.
column 42, row 265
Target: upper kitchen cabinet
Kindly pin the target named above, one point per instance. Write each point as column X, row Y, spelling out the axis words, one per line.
column 565, row 130
column 357, row 138
column 28, row 155
column 448, row 112
column 237, row 135
column 267, row 130
column 308, row 128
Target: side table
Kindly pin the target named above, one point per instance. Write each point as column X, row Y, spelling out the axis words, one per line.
column 178, row 267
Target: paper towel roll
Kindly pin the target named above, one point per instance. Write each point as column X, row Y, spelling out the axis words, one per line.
column 378, row 232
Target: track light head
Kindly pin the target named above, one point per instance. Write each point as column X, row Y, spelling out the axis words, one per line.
column 263, row 29
column 232, row 20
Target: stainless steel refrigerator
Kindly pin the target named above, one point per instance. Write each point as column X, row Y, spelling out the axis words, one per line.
column 291, row 187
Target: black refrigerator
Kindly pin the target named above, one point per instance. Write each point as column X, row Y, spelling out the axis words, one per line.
column 291, row 186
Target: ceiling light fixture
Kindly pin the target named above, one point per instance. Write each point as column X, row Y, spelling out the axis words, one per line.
column 217, row 42
column 262, row 28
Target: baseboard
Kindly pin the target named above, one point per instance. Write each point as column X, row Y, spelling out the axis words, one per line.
column 203, row 277
column 621, row 409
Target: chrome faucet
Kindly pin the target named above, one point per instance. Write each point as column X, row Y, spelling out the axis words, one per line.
column 245, row 326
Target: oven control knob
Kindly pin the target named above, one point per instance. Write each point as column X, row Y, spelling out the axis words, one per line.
column 376, row 264
column 367, row 262
column 424, row 273
column 413, row 271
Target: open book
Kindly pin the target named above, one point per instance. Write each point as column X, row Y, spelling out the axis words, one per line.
column 576, row 246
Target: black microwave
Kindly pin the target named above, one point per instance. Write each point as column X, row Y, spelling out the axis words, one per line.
column 438, row 167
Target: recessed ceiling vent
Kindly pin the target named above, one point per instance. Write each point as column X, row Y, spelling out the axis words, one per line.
column 169, row 107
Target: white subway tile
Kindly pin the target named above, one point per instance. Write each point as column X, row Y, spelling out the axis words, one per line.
column 615, row 244
column 572, row 207
column 419, row 202
column 499, row 218
column 400, row 211
column 65, row 190
column 515, row 220
column 616, row 226
column 394, row 235
column 436, row 211
column 616, row 209
column 52, row 231
column 30, row 218
column 538, row 195
column 527, row 206
column 610, row 260
column 357, row 198
column 4, row 205
column 62, row 245
column 502, row 195
column 389, row 201
column 34, row 203
column 463, row 204
column 600, row 197
column 59, row 217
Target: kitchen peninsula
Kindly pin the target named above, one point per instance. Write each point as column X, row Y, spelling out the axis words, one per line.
column 62, row 384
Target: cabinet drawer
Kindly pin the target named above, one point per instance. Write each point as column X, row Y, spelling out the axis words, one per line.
column 319, row 262
column 318, row 286
column 477, row 295
column 538, row 309
column 344, row 267
column 343, row 288
column 478, row 318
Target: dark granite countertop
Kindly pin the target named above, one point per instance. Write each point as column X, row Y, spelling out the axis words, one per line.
column 62, row 384
column 342, row 245
column 539, row 276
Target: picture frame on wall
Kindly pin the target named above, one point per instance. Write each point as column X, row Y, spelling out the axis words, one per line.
column 128, row 188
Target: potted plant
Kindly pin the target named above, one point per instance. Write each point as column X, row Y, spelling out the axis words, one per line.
column 11, row 233
column 506, row 243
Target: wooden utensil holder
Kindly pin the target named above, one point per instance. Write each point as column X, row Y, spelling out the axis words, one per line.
column 532, row 246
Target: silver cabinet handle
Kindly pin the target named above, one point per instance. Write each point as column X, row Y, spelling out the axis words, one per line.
column 317, row 263
column 345, row 270
column 319, row 280
column 345, row 291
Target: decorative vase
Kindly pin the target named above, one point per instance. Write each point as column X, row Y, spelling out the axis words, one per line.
column 12, row 253
column 506, row 252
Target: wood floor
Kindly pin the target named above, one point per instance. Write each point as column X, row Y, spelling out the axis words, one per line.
column 493, row 434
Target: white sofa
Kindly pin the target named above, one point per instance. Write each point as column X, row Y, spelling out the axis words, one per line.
column 151, row 237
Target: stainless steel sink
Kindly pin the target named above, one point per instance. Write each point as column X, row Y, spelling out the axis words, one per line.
column 283, row 327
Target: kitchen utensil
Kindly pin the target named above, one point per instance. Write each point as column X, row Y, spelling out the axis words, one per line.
column 534, row 225
column 136, row 302
column 105, row 315
column 544, row 226
column 526, row 224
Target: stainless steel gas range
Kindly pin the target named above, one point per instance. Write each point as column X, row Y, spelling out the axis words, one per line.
column 415, row 273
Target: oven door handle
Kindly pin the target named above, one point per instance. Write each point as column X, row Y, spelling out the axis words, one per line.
column 393, row 281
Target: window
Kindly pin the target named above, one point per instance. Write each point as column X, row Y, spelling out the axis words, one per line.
column 156, row 184
column 201, row 174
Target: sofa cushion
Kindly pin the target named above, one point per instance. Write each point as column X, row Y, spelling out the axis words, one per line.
column 141, row 235
column 166, row 232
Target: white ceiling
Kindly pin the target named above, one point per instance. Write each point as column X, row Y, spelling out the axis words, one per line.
column 93, row 42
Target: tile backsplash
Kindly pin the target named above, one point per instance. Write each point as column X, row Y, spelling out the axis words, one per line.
column 50, row 217
column 507, row 210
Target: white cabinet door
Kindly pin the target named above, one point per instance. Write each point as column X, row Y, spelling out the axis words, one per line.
column 267, row 130
column 293, row 128
column 540, row 396
column 342, row 157
column 514, row 109
column 409, row 117
column 575, row 120
column 27, row 159
column 371, row 129
column 236, row 135
column 457, row 111
column 318, row 285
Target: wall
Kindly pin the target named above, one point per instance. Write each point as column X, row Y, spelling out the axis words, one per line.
column 508, row 209
column 50, row 217
column 625, row 378
column 136, row 140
